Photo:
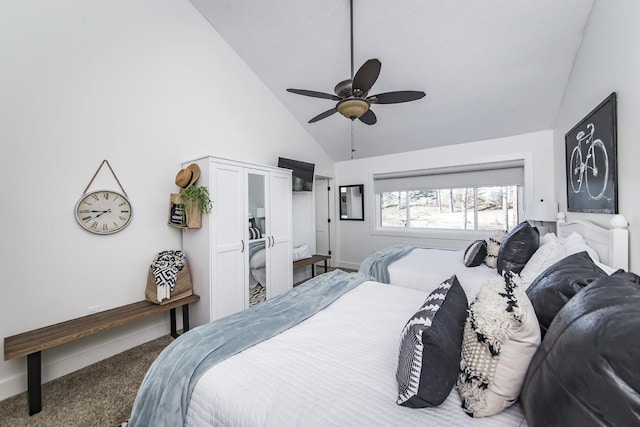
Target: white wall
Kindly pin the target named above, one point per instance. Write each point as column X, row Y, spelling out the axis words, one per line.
column 608, row 61
column 355, row 238
column 145, row 84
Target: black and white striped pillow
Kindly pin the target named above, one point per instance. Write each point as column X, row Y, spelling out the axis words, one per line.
column 475, row 253
column 430, row 345
column 254, row 233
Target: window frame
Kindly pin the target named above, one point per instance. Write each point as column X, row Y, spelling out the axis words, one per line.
column 412, row 230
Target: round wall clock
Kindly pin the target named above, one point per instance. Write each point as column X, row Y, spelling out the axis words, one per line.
column 103, row 212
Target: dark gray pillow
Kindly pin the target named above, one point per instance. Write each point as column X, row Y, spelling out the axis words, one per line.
column 585, row 373
column 475, row 253
column 430, row 346
column 552, row 289
column 516, row 249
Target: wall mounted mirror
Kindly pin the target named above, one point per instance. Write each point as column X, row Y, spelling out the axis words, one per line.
column 352, row 202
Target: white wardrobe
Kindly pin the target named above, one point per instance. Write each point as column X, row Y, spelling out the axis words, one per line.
column 233, row 267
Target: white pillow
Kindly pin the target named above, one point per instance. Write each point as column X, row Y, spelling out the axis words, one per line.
column 301, row 252
column 546, row 255
column 575, row 243
column 258, row 260
column 548, row 238
column 607, row 269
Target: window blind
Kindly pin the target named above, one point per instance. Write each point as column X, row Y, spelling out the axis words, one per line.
column 464, row 176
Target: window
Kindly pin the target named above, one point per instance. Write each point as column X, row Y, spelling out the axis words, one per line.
column 474, row 208
column 469, row 197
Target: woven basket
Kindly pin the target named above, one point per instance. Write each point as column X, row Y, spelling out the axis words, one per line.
column 182, row 288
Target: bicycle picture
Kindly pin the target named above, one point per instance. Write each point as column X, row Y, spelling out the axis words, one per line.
column 590, row 149
column 592, row 170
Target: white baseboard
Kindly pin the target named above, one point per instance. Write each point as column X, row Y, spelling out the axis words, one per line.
column 56, row 363
column 350, row 265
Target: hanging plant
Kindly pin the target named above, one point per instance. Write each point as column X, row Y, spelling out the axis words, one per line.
column 196, row 196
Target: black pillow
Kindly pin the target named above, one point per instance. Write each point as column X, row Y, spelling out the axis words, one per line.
column 430, row 347
column 586, row 370
column 516, row 249
column 475, row 253
column 551, row 290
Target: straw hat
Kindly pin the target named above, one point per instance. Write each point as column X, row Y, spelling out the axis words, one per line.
column 188, row 176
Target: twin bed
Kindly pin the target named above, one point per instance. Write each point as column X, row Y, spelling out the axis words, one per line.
column 325, row 353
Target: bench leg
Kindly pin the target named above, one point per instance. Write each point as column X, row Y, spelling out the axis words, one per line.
column 34, row 382
column 313, row 270
column 172, row 315
column 185, row 318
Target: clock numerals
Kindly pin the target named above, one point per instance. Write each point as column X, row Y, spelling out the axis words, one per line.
column 103, row 212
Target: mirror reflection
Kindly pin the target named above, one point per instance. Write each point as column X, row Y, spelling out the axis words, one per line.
column 257, row 231
column 352, row 202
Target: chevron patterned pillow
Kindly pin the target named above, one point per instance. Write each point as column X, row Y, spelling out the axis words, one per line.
column 430, row 344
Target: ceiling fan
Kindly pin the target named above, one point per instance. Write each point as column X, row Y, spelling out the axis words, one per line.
column 354, row 101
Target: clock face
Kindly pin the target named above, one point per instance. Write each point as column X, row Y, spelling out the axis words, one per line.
column 103, row 212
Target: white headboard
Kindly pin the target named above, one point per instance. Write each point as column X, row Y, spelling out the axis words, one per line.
column 611, row 244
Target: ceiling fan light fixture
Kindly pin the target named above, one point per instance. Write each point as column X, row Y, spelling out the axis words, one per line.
column 353, row 108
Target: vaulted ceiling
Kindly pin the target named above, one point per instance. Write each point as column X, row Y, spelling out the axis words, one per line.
column 490, row 68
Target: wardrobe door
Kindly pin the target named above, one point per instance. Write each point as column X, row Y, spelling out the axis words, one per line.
column 279, row 234
column 229, row 219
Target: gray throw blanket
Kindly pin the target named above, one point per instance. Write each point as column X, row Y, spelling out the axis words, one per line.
column 377, row 265
column 165, row 392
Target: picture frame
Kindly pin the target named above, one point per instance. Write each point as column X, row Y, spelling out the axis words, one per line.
column 591, row 161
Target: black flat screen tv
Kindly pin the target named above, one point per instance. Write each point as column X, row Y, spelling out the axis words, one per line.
column 302, row 176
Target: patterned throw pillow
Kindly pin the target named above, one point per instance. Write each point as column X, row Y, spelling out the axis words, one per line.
column 475, row 253
column 493, row 248
column 301, row 252
column 501, row 336
column 429, row 356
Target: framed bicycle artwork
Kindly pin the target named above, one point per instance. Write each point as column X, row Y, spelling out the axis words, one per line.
column 591, row 161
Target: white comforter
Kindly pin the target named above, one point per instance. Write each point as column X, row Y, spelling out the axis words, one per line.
column 425, row 269
column 337, row 368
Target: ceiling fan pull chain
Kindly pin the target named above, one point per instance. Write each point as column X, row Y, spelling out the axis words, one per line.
column 353, row 144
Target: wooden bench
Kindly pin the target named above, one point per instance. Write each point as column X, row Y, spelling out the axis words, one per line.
column 312, row 262
column 31, row 343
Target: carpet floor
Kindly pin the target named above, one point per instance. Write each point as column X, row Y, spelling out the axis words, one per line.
column 98, row 395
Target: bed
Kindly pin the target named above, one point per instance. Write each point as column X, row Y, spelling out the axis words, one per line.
column 409, row 266
column 324, row 353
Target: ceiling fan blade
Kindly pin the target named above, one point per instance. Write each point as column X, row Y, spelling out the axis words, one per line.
column 396, row 97
column 324, row 115
column 369, row 118
column 314, row 94
column 366, row 76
